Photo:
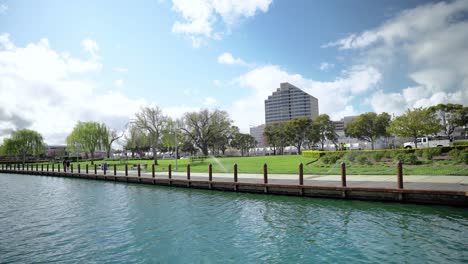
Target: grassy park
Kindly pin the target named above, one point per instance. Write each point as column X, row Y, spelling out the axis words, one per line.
column 419, row 162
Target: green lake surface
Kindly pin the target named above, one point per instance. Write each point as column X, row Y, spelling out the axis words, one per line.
column 62, row 220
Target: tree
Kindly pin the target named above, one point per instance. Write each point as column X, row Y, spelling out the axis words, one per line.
column 368, row 127
column 277, row 136
column 23, row 143
column 323, row 129
column 298, row 130
column 136, row 140
column 414, row 123
column 109, row 136
column 87, row 136
column 451, row 116
column 204, row 127
column 244, row 142
column 153, row 122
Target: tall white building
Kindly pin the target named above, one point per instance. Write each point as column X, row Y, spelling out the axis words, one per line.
column 289, row 102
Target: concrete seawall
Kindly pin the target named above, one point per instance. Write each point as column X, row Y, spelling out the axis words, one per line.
column 441, row 197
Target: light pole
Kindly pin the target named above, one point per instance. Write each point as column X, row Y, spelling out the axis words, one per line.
column 176, row 146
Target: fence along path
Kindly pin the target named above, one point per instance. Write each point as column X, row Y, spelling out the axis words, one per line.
column 337, row 176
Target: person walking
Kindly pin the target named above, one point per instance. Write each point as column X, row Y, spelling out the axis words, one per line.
column 64, row 163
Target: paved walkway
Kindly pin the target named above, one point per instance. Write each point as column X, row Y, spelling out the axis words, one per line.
column 425, row 182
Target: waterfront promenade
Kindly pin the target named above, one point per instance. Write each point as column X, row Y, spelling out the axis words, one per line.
column 442, row 189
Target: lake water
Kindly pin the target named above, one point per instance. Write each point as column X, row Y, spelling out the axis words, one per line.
column 47, row 219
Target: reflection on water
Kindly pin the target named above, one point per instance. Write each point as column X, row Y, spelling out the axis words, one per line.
column 45, row 219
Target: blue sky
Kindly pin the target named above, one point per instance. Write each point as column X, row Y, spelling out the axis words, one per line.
column 102, row 60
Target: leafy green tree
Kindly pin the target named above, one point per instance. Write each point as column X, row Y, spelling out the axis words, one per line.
column 23, row 143
column 323, row 129
column 368, row 127
column 136, row 140
column 204, row 127
column 298, row 130
column 451, row 116
column 243, row 142
column 414, row 123
column 277, row 136
column 152, row 122
column 87, row 136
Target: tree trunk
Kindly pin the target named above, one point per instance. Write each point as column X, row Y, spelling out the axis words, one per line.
column 92, row 157
column 416, row 142
column 299, row 149
column 155, row 157
column 204, row 149
column 372, row 144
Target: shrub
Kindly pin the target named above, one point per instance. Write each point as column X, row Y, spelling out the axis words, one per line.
column 407, row 158
column 377, row 156
column 429, row 153
column 363, row 159
column 460, row 143
column 454, row 154
column 330, row 158
column 419, row 152
column 463, row 156
column 351, row 156
column 313, row 154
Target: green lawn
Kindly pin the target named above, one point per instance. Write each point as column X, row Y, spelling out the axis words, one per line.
column 289, row 165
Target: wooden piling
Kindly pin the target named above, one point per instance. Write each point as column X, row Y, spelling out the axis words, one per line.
column 235, row 172
column 152, row 170
column 139, row 170
column 301, row 174
column 400, row 174
column 265, row 173
column 343, row 174
column 188, row 171
column 169, row 171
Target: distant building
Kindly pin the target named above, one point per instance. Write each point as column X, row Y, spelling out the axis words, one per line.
column 257, row 133
column 56, row 151
column 289, row 102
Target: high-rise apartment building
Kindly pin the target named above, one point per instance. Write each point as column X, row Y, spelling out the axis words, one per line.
column 289, row 102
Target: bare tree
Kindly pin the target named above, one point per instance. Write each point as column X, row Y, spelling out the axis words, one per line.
column 152, row 121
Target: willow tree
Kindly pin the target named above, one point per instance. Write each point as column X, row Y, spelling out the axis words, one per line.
column 152, row 122
column 23, row 143
column 88, row 136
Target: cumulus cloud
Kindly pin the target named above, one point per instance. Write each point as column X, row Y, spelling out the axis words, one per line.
column 200, row 16
column 227, row 58
column 429, row 40
column 210, row 102
column 49, row 91
column 325, row 66
column 334, row 96
column 3, row 8
column 119, row 83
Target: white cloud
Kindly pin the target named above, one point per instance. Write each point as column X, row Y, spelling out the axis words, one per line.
column 200, row 16
column 227, row 58
column 49, row 91
column 121, row 70
column 90, row 46
column 325, row 66
column 429, row 40
column 334, row 96
column 119, row 83
column 210, row 102
column 3, row 8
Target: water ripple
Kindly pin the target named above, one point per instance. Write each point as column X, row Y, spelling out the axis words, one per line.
column 47, row 219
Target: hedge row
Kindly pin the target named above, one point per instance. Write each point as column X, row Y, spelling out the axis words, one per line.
column 407, row 156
